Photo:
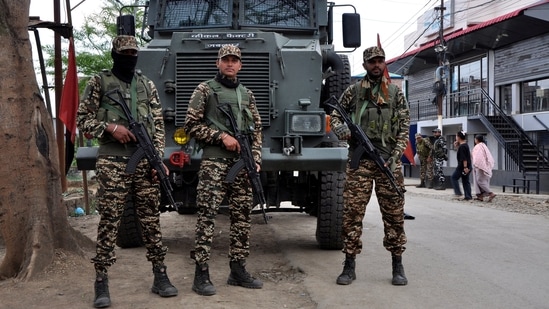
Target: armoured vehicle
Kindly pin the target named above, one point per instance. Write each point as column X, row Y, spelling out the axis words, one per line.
column 291, row 65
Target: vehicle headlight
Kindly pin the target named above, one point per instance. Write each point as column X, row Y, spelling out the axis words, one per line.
column 181, row 137
column 305, row 123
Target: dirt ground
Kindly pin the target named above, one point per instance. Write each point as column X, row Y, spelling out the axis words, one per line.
column 68, row 283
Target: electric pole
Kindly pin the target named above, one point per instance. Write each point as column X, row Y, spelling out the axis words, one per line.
column 441, row 73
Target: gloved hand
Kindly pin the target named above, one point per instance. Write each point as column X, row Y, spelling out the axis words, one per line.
column 391, row 163
column 342, row 131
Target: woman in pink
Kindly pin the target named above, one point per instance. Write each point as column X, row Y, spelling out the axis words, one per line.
column 483, row 163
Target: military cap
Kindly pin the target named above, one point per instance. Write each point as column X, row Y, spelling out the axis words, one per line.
column 418, row 135
column 227, row 50
column 124, row 42
column 437, row 130
column 372, row 52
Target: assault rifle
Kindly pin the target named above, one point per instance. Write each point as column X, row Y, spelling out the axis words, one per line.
column 145, row 149
column 364, row 145
column 246, row 160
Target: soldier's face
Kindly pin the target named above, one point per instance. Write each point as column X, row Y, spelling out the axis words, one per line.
column 229, row 66
column 375, row 66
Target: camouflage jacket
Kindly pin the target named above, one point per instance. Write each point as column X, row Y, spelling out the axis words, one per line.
column 351, row 100
column 200, row 127
column 93, row 126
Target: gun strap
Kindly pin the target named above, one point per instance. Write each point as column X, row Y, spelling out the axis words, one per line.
column 133, row 92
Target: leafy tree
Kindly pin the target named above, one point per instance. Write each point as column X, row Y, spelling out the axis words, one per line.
column 93, row 40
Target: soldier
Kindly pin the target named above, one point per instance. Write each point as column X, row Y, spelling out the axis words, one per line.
column 382, row 112
column 220, row 152
column 102, row 118
column 440, row 154
column 423, row 150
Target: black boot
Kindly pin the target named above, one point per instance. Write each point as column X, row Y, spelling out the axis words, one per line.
column 440, row 186
column 162, row 285
column 348, row 274
column 239, row 276
column 202, row 284
column 102, row 295
column 429, row 184
column 399, row 278
column 421, row 185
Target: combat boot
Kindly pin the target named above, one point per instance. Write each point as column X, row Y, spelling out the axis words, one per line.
column 440, row 186
column 399, row 278
column 102, row 295
column 421, row 185
column 348, row 274
column 202, row 284
column 239, row 276
column 162, row 285
column 429, row 184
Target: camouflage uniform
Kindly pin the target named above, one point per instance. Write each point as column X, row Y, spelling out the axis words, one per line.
column 216, row 162
column 440, row 155
column 359, row 183
column 423, row 150
column 116, row 187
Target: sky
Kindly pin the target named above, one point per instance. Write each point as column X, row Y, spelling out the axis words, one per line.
column 392, row 19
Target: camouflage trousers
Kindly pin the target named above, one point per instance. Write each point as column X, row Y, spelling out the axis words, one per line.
column 116, row 187
column 212, row 188
column 439, row 173
column 357, row 193
column 426, row 169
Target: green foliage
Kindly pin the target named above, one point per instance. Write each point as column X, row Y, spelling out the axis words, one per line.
column 93, row 40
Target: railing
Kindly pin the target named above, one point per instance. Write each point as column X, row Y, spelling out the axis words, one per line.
column 477, row 103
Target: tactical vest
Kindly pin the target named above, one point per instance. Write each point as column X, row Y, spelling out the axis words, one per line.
column 216, row 119
column 379, row 122
column 439, row 149
column 136, row 96
column 422, row 150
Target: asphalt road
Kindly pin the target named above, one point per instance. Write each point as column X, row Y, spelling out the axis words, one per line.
column 459, row 255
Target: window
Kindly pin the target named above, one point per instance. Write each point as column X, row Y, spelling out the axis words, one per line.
column 295, row 14
column 535, row 96
column 195, row 13
column 506, row 100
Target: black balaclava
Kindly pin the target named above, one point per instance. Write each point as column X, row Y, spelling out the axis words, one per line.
column 123, row 66
column 227, row 82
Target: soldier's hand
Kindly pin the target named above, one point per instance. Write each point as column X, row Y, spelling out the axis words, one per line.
column 154, row 173
column 121, row 133
column 230, row 143
column 391, row 163
column 342, row 131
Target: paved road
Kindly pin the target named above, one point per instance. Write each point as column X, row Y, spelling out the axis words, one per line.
column 459, row 255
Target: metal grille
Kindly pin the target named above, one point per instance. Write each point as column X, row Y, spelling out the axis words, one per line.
column 277, row 13
column 195, row 13
column 192, row 69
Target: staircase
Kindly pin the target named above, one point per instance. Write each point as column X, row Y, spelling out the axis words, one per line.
column 517, row 144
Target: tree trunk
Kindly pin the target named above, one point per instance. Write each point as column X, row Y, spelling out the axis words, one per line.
column 33, row 220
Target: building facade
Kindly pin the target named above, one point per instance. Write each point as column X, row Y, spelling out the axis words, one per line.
column 485, row 71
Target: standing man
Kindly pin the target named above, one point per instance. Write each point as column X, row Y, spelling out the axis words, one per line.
column 220, row 151
column 440, row 154
column 464, row 167
column 104, row 119
column 423, row 150
column 382, row 111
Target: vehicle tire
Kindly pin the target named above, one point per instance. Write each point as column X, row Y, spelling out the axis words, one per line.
column 337, row 82
column 129, row 232
column 330, row 213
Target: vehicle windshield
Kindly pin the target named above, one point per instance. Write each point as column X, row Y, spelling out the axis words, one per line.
column 180, row 14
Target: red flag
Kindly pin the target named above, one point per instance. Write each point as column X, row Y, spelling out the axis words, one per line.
column 409, row 153
column 69, row 96
column 386, row 71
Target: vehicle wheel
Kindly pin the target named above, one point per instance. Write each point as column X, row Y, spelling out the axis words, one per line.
column 338, row 82
column 330, row 212
column 129, row 232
